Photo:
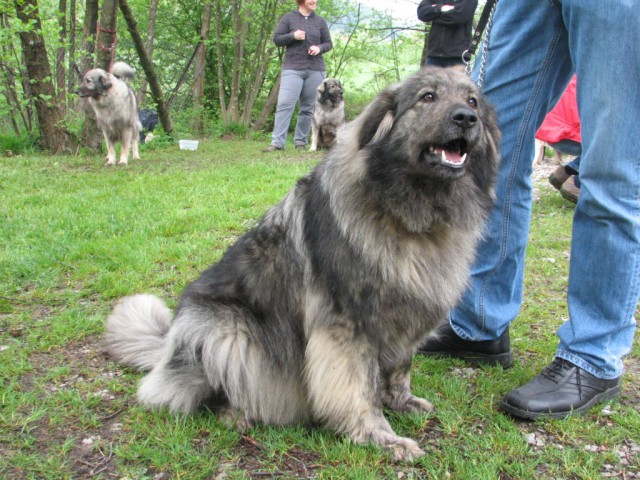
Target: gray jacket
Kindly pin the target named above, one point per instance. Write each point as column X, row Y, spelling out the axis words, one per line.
column 296, row 56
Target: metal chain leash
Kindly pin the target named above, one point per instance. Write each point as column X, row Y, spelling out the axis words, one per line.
column 485, row 47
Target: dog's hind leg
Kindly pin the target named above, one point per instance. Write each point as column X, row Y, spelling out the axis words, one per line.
column 134, row 146
column 127, row 140
column 212, row 353
column 178, row 381
column 342, row 376
column 135, row 139
column 111, row 150
column 236, row 359
column 174, row 384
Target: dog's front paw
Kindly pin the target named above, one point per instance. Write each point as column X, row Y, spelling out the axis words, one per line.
column 407, row 403
column 234, row 419
column 403, row 449
column 418, row 405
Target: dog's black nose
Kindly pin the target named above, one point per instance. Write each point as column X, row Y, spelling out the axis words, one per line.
column 465, row 117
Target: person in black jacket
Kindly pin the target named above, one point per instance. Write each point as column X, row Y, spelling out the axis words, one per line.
column 451, row 29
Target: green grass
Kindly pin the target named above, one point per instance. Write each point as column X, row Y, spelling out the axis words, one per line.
column 76, row 236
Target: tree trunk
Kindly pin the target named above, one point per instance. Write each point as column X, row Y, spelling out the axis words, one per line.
column 71, row 68
column 61, row 73
column 240, row 83
column 219, row 63
column 264, row 53
column 268, row 106
column 88, row 39
column 147, row 66
column 201, row 58
column 241, row 27
column 11, row 89
column 107, row 35
column 11, row 97
column 53, row 137
column 151, row 32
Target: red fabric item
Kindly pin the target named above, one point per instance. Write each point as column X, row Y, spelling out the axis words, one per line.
column 562, row 122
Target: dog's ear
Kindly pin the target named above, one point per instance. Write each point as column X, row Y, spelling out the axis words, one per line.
column 377, row 119
column 104, row 82
column 322, row 86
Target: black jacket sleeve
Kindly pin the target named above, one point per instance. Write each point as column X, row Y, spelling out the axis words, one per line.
column 463, row 11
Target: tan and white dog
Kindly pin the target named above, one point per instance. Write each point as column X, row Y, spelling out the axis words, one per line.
column 114, row 104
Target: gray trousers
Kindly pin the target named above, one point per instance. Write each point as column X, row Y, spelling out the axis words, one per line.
column 296, row 85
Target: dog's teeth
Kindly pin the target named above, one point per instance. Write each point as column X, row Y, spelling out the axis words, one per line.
column 463, row 158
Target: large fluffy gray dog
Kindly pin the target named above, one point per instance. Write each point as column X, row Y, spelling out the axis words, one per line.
column 114, row 104
column 315, row 313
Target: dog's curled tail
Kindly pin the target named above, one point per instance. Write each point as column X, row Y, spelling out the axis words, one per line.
column 136, row 331
column 123, row 71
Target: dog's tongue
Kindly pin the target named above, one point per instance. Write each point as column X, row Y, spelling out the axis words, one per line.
column 451, row 157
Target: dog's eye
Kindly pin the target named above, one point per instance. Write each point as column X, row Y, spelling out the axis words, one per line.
column 429, row 97
column 472, row 102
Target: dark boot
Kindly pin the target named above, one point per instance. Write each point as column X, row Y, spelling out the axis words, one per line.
column 561, row 390
column 445, row 343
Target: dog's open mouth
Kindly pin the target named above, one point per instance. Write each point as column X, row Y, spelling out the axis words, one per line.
column 452, row 154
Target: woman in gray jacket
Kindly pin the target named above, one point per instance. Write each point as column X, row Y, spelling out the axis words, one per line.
column 306, row 37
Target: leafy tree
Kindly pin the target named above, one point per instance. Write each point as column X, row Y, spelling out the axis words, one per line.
column 53, row 136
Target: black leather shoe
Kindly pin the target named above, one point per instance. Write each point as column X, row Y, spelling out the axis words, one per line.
column 445, row 343
column 560, row 391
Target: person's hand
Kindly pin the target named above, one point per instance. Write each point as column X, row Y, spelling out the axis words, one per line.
column 299, row 34
column 446, row 8
column 314, row 50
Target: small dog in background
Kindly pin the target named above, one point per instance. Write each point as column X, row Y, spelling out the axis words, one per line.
column 114, row 104
column 149, row 120
column 328, row 115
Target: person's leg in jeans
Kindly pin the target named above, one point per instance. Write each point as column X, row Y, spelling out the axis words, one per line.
column 604, row 275
column 291, row 84
column 528, row 66
column 525, row 75
column 604, row 269
column 312, row 81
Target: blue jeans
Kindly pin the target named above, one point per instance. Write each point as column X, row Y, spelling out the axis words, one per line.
column 296, row 85
column 534, row 50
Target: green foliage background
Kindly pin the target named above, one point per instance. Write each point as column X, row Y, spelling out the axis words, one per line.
column 370, row 51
